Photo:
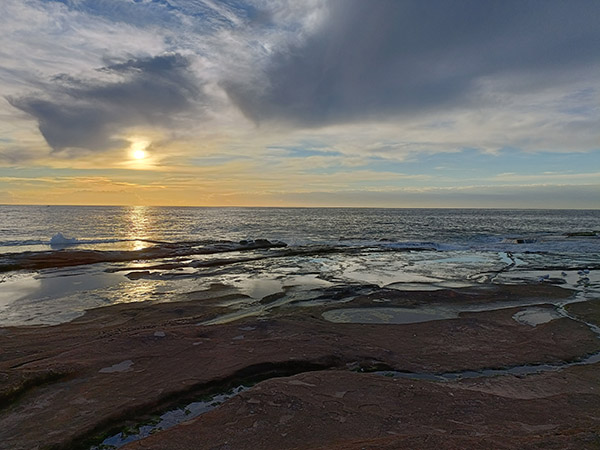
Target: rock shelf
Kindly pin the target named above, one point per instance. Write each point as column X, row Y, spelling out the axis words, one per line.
column 67, row 386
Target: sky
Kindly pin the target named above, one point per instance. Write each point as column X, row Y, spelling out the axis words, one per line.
column 369, row 103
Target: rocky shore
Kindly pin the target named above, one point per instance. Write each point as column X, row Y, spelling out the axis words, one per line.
column 312, row 383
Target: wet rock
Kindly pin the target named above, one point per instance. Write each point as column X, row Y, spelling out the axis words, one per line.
column 519, row 241
column 588, row 311
column 582, row 234
column 70, row 258
column 138, row 275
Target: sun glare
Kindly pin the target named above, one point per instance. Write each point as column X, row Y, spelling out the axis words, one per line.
column 139, row 154
column 138, row 149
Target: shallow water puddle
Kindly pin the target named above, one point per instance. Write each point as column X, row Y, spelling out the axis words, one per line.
column 258, row 288
column 16, row 287
column 536, row 316
column 167, row 420
column 386, row 315
column 526, row 369
column 428, row 286
column 384, row 277
column 587, row 281
column 123, row 366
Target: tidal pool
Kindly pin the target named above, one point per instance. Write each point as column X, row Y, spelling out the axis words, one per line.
column 536, row 316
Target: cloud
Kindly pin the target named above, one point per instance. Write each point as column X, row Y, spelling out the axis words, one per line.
column 369, row 60
column 15, row 155
column 387, row 79
column 91, row 114
column 519, row 196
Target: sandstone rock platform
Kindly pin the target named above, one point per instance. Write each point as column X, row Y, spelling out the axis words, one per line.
column 70, row 385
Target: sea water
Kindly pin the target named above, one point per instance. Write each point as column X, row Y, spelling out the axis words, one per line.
column 327, row 249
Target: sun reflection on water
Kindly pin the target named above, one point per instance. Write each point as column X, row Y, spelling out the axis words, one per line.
column 137, row 291
column 139, row 227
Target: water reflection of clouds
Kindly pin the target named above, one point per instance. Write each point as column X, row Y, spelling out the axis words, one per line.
column 17, row 287
column 53, row 296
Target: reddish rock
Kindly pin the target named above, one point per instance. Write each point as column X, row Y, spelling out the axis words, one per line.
column 342, row 410
column 63, row 384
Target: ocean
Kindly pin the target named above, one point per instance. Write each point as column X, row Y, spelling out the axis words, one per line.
column 58, row 261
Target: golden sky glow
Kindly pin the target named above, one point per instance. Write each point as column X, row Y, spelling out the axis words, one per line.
column 200, row 104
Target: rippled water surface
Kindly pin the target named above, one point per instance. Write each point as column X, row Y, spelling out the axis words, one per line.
column 33, row 226
column 327, row 249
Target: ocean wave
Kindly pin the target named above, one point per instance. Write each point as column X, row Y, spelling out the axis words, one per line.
column 60, row 240
column 23, row 243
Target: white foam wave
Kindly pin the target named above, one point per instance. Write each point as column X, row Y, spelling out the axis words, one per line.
column 23, row 243
column 60, row 240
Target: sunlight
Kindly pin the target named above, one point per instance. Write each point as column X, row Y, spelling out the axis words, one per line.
column 139, row 154
column 138, row 148
column 138, row 227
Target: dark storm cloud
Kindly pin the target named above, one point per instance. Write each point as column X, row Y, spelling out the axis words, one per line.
column 75, row 113
column 372, row 58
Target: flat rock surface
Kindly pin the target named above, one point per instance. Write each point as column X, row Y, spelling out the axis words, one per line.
column 339, row 410
column 65, row 384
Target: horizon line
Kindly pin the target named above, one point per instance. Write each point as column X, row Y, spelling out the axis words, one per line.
column 299, row 207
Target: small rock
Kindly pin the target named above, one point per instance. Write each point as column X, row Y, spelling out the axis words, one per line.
column 159, row 334
column 138, row 275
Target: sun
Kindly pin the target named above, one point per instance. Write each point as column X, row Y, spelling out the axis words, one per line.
column 139, row 154
column 138, row 149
